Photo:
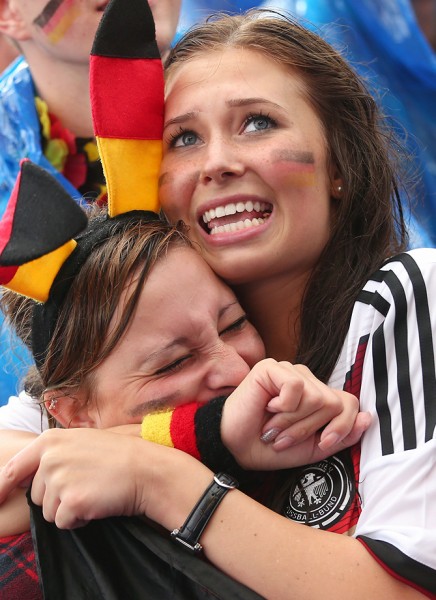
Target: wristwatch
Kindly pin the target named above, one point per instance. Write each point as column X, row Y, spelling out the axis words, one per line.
column 189, row 533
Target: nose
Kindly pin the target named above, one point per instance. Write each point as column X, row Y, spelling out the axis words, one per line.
column 222, row 161
column 226, row 369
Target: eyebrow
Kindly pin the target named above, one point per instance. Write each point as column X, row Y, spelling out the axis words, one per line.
column 249, row 101
column 234, row 103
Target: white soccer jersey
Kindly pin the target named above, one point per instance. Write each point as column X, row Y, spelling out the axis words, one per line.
column 389, row 353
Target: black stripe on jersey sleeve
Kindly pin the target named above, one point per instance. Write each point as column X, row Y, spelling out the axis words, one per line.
column 403, row 364
column 381, row 390
column 425, row 334
column 403, row 367
column 375, row 300
column 407, row 568
column 427, row 356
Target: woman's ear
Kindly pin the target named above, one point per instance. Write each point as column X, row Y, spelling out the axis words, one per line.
column 336, row 184
column 12, row 24
column 70, row 411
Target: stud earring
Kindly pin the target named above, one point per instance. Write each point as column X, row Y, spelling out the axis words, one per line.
column 53, row 403
column 339, row 189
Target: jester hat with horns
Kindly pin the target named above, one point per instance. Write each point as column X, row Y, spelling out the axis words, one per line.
column 45, row 237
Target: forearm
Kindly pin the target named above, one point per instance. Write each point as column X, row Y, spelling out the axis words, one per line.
column 14, row 512
column 275, row 557
column 280, row 559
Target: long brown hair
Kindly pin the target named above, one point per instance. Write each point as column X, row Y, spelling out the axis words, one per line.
column 368, row 224
column 81, row 340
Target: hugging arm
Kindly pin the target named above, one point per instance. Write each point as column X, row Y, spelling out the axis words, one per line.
column 14, row 512
column 262, row 549
column 273, row 420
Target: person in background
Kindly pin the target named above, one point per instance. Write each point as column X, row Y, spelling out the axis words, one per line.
column 425, row 11
column 45, row 111
column 7, row 53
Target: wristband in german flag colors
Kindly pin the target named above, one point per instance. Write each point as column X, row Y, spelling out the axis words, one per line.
column 194, row 428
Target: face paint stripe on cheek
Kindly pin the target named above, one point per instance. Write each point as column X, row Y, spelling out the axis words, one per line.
column 56, row 18
column 47, row 13
column 298, row 168
column 305, row 160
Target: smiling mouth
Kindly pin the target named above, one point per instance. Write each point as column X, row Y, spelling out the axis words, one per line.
column 235, row 216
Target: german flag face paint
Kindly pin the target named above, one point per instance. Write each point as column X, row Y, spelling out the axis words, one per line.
column 298, row 167
column 56, row 18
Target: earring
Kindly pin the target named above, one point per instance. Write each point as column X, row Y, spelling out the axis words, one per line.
column 53, row 403
column 339, row 189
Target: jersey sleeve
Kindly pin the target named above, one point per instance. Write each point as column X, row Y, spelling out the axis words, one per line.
column 398, row 458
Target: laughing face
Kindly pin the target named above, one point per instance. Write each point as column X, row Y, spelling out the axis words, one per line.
column 245, row 166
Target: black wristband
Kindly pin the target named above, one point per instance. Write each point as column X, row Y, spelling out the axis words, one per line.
column 190, row 532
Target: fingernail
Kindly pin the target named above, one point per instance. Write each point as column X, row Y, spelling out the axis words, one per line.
column 330, row 440
column 270, row 435
column 283, row 443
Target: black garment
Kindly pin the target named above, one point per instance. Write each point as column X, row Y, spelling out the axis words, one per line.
column 123, row 558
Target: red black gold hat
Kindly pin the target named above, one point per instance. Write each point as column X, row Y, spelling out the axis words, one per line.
column 44, row 235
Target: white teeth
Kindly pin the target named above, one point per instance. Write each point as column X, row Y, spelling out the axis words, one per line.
column 232, row 209
column 230, row 227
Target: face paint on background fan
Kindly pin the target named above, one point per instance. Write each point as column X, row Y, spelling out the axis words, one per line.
column 56, row 18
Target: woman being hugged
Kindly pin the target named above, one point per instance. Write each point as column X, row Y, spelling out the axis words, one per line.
column 275, row 158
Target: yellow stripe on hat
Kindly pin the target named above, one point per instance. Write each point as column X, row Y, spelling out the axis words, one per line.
column 34, row 279
column 131, row 169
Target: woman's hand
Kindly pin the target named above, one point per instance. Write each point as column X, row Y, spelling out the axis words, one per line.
column 301, row 404
column 84, row 474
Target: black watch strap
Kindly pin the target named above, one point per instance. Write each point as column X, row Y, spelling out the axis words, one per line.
column 189, row 533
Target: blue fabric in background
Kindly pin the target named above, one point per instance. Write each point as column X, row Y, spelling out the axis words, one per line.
column 385, row 44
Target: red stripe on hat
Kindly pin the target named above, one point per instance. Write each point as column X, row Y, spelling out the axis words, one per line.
column 182, row 428
column 7, row 221
column 127, row 97
column 7, row 274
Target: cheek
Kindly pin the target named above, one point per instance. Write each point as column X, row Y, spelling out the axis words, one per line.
column 56, row 18
column 176, row 186
column 251, row 347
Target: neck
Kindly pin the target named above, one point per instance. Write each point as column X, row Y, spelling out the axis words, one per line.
column 273, row 306
column 65, row 90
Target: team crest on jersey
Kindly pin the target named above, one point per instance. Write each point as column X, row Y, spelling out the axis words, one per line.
column 322, row 494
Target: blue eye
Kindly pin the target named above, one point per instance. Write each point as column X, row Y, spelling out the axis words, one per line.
column 258, row 122
column 183, row 138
